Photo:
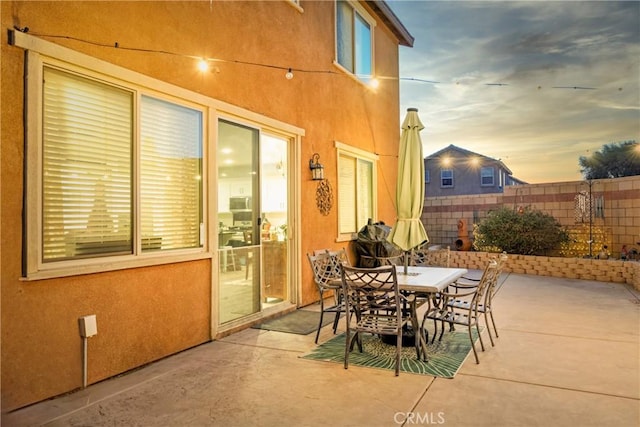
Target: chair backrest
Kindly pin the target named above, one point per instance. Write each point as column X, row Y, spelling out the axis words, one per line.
column 371, row 290
column 323, row 268
column 431, row 257
column 486, row 284
column 493, row 285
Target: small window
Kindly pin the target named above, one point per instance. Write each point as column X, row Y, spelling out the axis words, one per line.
column 427, row 176
column 486, row 177
column 354, row 40
column 446, row 178
column 356, row 190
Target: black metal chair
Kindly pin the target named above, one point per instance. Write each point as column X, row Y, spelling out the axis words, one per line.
column 373, row 295
column 486, row 306
column 325, row 266
column 467, row 313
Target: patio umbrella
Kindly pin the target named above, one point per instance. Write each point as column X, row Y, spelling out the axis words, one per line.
column 408, row 231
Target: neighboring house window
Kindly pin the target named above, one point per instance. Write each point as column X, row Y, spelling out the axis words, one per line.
column 486, row 176
column 354, row 39
column 356, row 189
column 427, row 176
column 446, row 178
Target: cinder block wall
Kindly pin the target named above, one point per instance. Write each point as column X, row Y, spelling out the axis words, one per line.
column 616, row 271
column 615, row 222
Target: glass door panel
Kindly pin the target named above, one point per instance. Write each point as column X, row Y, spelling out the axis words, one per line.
column 274, row 208
column 238, row 221
column 252, row 220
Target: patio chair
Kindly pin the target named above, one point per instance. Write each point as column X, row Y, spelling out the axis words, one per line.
column 425, row 257
column 325, row 266
column 374, row 297
column 465, row 314
column 486, row 307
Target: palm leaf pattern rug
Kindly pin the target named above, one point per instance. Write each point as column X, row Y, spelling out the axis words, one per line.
column 444, row 357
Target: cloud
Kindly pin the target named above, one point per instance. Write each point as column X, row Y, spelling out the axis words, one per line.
column 530, row 47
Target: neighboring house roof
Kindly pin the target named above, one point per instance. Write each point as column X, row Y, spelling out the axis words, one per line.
column 382, row 9
column 468, row 153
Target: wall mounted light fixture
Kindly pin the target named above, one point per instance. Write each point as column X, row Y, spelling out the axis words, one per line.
column 317, row 170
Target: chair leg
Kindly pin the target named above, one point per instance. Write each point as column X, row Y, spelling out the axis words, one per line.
column 473, row 345
column 486, row 321
column 321, row 316
column 319, row 325
column 335, row 322
column 479, row 335
column 398, row 351
column 347, row 349
column 494, row 323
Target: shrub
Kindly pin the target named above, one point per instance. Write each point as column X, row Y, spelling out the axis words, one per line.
column 526, row 232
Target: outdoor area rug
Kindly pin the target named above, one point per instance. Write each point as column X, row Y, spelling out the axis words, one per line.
column 301, row 322
column 445, row 357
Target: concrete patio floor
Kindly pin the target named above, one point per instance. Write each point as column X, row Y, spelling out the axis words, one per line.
column 568, row 355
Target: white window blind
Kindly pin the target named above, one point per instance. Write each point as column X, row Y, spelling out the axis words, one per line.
column 355, row 192
column 170, row 175
column 347, row 194
column 87, row 167
column 365, row 192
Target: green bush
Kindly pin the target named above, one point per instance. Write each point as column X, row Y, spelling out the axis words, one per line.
column 526, row 232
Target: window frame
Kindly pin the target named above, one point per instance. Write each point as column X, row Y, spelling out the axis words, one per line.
column 442, row 178
column 344, row 150
column 36, row 265
column 357, row 10
column 427, row 176
column 484, row 169
column 37, row 51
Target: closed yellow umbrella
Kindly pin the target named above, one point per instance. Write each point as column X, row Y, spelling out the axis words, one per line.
column 408, row 231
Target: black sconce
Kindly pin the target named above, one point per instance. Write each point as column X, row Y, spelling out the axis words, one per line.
column 317, row 170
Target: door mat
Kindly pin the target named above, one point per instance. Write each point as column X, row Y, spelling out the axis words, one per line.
column 445, row 357
column 301, row 322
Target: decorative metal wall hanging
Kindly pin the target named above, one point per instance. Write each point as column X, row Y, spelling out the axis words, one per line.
column 324, row 197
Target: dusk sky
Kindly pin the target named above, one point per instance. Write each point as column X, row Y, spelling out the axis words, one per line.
column 534, row 120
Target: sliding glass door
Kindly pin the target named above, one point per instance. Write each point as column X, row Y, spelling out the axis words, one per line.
column 252, row 220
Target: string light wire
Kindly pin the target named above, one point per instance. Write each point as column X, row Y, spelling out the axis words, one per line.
column 289, row 71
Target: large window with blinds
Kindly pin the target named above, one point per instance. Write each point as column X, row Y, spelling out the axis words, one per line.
column 356, row 189
column 121, row 170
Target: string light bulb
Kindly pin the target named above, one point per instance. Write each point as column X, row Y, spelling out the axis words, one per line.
column 202, row 65
column 289, row 74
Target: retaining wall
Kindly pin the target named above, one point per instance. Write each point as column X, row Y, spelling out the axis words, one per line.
column 616, row 271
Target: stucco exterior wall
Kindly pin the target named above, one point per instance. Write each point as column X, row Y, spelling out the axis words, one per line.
column 148, row 313
column 619, row 225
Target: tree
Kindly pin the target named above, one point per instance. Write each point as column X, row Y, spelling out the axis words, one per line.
column 613, row 160
column 526, row 231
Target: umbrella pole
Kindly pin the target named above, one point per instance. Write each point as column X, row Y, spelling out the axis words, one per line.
column 407, row 254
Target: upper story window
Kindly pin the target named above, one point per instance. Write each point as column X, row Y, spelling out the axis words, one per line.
column 427, row 176
column 354, row 39
column 356, row 189
column 487, row 176
column 446, row 178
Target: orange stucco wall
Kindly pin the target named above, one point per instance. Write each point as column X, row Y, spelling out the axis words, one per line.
column 148, row 313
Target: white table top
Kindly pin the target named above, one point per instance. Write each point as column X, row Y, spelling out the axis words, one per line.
column 427, row 279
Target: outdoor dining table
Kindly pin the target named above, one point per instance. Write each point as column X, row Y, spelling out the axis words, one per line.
column 426, row 282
